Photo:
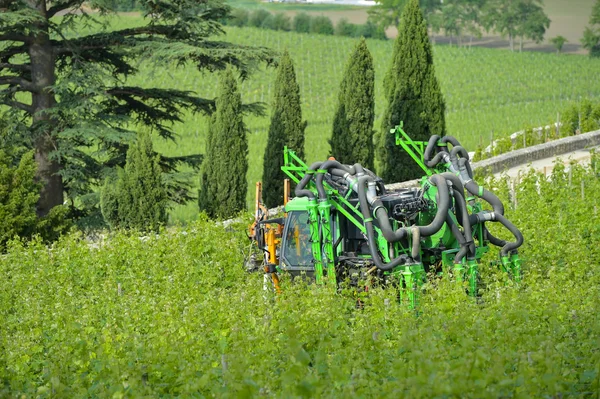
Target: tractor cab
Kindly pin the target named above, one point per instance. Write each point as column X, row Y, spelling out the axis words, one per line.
column 296, row 255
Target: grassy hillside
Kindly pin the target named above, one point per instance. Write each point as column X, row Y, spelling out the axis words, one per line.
column 176, row 315
column 486, row 90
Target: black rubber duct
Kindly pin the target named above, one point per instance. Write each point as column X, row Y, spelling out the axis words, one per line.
column 443, row 204
column 463, row 216
column 416, row 243
column 460, row 237
column 457, row 153
column 456, row 182
column 485, row 194
column 510, row 246
column 507, row 246
column 459, row 150
column 380, row 213
column 450, row 139
column 431, row 145
column 366, row 212
column 300, row 191
column 327, row 165
column 493, row 239
column 465, row 168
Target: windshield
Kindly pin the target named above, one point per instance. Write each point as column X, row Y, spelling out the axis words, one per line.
column 297, row 246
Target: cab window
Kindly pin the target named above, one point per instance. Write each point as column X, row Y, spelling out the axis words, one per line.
column 297, row 249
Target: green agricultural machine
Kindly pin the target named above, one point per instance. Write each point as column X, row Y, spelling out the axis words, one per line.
column 343, row 225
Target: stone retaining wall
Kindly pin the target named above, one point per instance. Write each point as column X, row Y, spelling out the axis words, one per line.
column 524, row 156
column 551, row 149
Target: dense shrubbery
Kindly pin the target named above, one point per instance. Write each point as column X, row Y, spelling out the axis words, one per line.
column 19, row 194
column 303, row 23
column 136, row 198
column 278, row 21
column 176, row 315
column 321, row 25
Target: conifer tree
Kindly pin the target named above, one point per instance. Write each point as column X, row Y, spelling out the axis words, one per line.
column 65, row 71
column 223, row 184
column 18, row 195
column 138, row 198
column 413, row 96
column 287, row 128
column 352, row 137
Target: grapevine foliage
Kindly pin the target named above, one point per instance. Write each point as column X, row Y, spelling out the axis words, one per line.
column 176, row 315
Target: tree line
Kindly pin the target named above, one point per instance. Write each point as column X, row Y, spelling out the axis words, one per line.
column 86, row 137
column 303, row 23
column 515, row 19
column 414, row 97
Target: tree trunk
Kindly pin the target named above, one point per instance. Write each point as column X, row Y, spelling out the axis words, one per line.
column 520, row 44
column 43, row 76
column 512, row 43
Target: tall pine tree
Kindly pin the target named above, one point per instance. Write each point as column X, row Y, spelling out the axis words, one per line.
column 287, row 128
column 413, row 95
column 223, row 184
column 352, row 137
column 64, row 71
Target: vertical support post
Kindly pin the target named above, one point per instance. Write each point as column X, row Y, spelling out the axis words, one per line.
column 472, row 270
column 327, row 241
column 516, row 267
column 258, row 199
column 313, row 220
column 413, row 280
column 458, row 270
column 286, row 191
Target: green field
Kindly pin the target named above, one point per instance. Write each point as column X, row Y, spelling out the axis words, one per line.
column 175, row 315
column 486, row 90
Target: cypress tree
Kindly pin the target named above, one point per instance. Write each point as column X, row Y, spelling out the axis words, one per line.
column 413, row 94
column 138, row 197
column 223, row 179
column 352, row 137
column 287, row 128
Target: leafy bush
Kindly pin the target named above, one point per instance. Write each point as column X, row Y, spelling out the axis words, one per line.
column 345, row 28
column 502, row 145
column 371, row 30
column 580, row 117
column 257, row 18
column 278, row 21
column 301, row 22
column 19, row 194
column 321, row 25
column 239, row 17
column 137, row 198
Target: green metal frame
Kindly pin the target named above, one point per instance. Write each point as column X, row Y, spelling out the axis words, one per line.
column 412, row 276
